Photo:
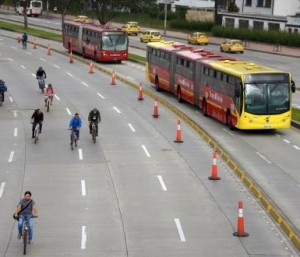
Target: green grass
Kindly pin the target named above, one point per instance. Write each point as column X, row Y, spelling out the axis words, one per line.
column 136, row 57
column 296, row 114
column 30, row 31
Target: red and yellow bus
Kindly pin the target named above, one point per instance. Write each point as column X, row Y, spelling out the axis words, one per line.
column 240, row 94
column 100, row 43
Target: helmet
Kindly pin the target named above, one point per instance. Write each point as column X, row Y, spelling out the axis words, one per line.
column 40, row 68
column 49, row 85
column 95, row 110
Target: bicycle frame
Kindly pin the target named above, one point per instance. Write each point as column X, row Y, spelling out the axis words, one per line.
column 36, row 132
column 73, row 138
column 48, row 101
column 41, row 82
column 25, row 232
column 94, row 131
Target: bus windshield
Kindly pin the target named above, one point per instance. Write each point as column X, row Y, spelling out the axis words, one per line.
column 36, row 4
column 114, row 41
column 267, row 98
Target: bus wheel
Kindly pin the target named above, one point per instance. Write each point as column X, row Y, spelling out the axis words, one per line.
column 179, row 97
column 69, row 48
column 229, row 120
column 204, row 108
column 157, row 84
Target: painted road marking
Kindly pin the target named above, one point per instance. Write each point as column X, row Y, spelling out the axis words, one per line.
column 11, row 99
column 56, row 66
column 68, row 111
column 11, row 156
column 15, row 114
column 263, row 157
column 101, row 95
column 146, row 151
column 180, row 231
column 83, row 188
column 162, row 183
column 23, row 67
column 2, row 188
column 28, row 53
column 10, row 59
column 70, row 74
column 33, row 75
column 83, row 237
column 228, row 132
column 83, row 83
column 80, row 154
column 131, row 127
column 16, row 132
column 287, row 141
column 116, row 109
column 296, row 147
column 43, row 59
column 57, row 97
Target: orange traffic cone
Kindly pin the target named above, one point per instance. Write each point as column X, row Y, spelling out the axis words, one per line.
column 34, row 44
column 113, row 78
column 71, row 57
column 155, row 111
column 91, row 67
column 178, row 133
column 141, row 92
column 19, row 39
column 240, row 223
column 49, row 50
column 214, row 168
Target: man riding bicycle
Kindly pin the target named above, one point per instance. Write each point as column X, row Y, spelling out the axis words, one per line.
column 94, row 117
column 26, row 209
column 75, row 125
column 37, row 118
column 49, row 92
column 24, row 40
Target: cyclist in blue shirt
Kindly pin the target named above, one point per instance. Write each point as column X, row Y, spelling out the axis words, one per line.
column 75, row 124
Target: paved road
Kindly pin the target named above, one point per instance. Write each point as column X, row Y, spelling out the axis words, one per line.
column 109, row 199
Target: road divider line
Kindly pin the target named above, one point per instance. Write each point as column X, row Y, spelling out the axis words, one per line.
column 263, row 157
column 101, row 95
column 180, row 231
column 287, row 141
column 146, row 151
column 15, row 114
column 131, row 127
column 15, row 132
column 70, row 74
column 83, row 237
column 83, row 83
column 33, row 75
column 10, row 59
column 13, row 47
column 11, row 99
column 28, row 53
column 117, row 110
column 43, row 59
column 57, row 97
column 80, row 154
column 296, row 147
column 11, row 156
column 162, row 183
column 83, row 188
column 2, row 186
column 56, row 66
column 23, row 67
column 68, row 111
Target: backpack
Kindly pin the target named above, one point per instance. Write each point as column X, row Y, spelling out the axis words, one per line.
column 3, row 87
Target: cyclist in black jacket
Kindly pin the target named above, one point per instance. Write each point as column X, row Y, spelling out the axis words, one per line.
column 37, row 118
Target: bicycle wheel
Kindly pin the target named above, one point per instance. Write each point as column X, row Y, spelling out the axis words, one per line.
column 94, row 132
column 25, row 241
column 36, row 136
column 48, row 105
column 72, row 141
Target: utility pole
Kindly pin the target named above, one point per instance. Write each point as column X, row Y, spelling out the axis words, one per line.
column 165, row 23
column 216, row 11
column 24, row 4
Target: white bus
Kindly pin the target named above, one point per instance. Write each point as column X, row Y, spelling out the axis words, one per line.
column 34, row 8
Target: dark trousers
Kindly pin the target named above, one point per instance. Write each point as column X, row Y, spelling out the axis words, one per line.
column 2, row 94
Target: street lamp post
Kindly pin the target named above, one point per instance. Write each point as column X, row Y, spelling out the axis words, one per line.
column 165, row 23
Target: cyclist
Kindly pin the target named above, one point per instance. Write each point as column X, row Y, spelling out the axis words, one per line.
column 94, row 116
column 49, row 92
column 24, row 40
column 26, row 209
column 41, row 74
column 37, row 118
column 75, row 125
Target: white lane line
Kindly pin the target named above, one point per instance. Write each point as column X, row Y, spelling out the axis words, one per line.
column 146, row 151
column 83, row 83
column 11, row 99
column 57, row 97
column 11, row 156
column 83, row 188
column 116, row 109
column 56, row 66
column 80, row 154
column 130, row 78
column 131, row 127
column 162, row 183
column 13, row 47
column 228, row 132
column 70, row 74
column 43, row 59
column 68, row 111
column 33, row 75
column 296, row 147
column 23, row 67
column 16, row 132
column 2, row 188
column 101, row 95
column 15, row 114
column 179, row 228
column 287, row 141
column 28, row 53
column 10, row 59
column 263, row 157
column 83, row 237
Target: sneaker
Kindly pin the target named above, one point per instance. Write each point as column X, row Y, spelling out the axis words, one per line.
column 19, row 236
column 90, row 132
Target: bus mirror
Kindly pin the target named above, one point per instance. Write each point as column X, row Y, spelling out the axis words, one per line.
column 293, row 87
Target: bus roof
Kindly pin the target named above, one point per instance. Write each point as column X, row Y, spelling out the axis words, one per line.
column 239, row 68
column 198, row 53
column 169, row 46
column 92, row 26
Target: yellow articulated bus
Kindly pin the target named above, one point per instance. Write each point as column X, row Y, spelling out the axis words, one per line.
column 241, row 94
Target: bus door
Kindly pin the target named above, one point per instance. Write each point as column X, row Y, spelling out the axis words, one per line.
column 172, row 66
column 197, row 83
column 79, row 39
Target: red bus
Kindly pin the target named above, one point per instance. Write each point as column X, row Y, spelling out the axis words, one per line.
column 100, row 43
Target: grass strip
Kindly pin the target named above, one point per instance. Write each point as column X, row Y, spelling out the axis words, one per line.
column 30, row 31
column 137, row 58
column 296, row 114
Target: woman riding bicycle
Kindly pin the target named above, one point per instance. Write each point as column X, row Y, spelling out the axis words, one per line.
column 49, row 92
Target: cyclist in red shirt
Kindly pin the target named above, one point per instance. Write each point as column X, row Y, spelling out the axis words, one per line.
column 49, row 92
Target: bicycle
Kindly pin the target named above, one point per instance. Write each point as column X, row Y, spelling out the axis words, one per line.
column 73, row 138
column 36, row 132
column 25, row 233
column 24, row 45
column 94, row 131
column 48, row 101
column 41, row 82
